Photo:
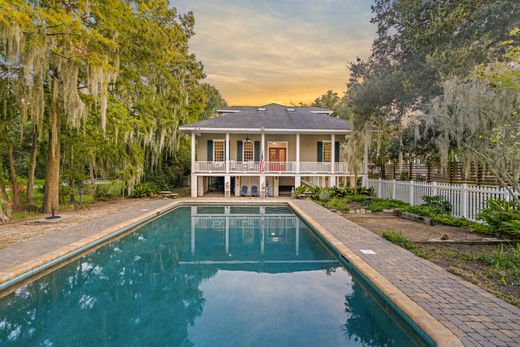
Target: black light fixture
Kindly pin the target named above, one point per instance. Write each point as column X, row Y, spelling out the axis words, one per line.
column 247, row 139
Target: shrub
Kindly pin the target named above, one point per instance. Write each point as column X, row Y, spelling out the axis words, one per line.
column 446, row 219
column 338, row 204
column 145, row 189
column 438, row 203
column 324, row 196
column 398, row 239
column 379, row 205
column 502, row 216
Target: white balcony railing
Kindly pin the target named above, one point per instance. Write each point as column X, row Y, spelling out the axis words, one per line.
column 269, row 167
column 209, row 166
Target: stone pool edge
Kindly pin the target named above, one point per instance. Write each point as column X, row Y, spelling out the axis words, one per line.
column 440, row 334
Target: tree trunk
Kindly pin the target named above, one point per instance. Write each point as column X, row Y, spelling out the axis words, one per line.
column 12, row 172
column 2, row 184
column 92, row 173
column 32, row 165
column 52, row 176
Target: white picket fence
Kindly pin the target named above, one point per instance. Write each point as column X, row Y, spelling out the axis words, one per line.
column 467, row 200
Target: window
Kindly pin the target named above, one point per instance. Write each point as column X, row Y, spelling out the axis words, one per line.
column 327, row 152
column 218, row 150
column 248, row 151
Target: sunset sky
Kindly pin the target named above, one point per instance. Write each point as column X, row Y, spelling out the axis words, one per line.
column 257, row 52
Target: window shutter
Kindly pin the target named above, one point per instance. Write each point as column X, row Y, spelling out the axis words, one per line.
column 336, row 152
column 210, row 150
column 320, row 152
column 257, row 150
column 239, row 150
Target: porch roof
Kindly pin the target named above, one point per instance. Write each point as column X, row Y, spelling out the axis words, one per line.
column 271, row 118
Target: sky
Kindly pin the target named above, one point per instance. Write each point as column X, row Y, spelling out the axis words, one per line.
column 286, row 51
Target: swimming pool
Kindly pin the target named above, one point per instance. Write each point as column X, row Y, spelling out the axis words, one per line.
column 205, row 276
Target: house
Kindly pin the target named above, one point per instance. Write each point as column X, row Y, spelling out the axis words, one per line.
column 267, row 150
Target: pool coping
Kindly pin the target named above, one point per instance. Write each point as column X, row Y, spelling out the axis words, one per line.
column 435, row 330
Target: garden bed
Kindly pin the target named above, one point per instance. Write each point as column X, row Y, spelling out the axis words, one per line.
column 495, row 268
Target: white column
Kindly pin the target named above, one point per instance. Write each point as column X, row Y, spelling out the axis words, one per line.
column 194, row 186
column 227, row 152
column 227, row 186
column 297, row 181
column 200, row 186
column 298, row 153
column 193, row 149
column 332, row 152
column 332, row 178
column 262, row 175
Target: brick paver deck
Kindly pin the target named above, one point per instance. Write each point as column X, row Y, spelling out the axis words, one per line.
column 474, row 315
column 43, row 244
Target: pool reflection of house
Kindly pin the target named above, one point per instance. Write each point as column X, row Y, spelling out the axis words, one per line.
column 264, row 239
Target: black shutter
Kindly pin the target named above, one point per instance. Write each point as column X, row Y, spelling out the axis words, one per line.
column 239, row 150
column 336, row 152
column 257, row 150
column 210, row 150
column 320, row 152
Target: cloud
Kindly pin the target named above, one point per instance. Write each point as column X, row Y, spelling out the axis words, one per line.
column 257, row 52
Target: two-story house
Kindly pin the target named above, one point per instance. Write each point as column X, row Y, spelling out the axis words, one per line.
column 267, row 150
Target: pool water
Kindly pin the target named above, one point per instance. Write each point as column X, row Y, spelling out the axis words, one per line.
column 205, row 276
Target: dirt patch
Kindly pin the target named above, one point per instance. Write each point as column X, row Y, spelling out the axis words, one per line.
column 13, row 233
column 413, row 231
column 465, row 260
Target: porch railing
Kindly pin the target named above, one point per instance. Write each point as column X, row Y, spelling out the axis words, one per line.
column 269, row 167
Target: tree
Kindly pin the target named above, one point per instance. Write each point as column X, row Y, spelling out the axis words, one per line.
column 104, row 85
column 481, row 116
column 213, row 101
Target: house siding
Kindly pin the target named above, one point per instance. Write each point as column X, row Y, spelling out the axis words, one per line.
column 308, row 144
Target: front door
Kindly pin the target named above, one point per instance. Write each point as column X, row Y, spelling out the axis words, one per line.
column 277, row 158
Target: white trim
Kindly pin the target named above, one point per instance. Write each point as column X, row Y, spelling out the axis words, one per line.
column 322, row 112
column 224, row 154
column 265, row 130
column 228, row 111
column 286, row 143
column 243, row 157
column 323, row 151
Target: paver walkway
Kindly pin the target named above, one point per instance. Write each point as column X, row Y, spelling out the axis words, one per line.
column 474, row 315
column 43, row 244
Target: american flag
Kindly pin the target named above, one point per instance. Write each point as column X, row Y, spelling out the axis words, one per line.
column 262, row 163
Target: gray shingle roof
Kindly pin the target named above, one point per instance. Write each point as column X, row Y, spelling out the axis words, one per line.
column 274, row 116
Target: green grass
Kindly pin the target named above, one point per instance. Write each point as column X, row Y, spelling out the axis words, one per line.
column 507, row 258
column 398, row 239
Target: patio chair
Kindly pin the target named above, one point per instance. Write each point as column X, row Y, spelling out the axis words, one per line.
column 243, row 192
column 254, row 191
